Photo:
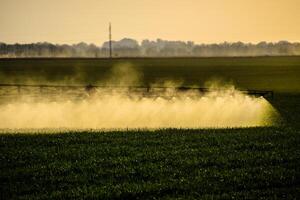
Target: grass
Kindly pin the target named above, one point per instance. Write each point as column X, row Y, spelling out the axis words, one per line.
column 249, row 163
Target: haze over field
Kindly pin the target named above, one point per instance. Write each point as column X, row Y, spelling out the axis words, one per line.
column 229, row 109
column 193, row 28
column 113, row 109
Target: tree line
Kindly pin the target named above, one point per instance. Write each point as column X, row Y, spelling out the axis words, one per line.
column 158, row 48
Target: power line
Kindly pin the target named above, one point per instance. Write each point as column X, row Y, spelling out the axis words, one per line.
column 110, row 44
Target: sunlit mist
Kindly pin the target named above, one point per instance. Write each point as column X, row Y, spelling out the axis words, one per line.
column 123, row 108
column 115, row 111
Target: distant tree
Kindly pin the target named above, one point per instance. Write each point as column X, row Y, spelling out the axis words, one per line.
column 130, row 47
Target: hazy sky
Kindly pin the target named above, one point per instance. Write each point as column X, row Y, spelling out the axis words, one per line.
column 202, row 21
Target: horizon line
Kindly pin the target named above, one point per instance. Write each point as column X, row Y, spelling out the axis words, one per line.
column 155, row 40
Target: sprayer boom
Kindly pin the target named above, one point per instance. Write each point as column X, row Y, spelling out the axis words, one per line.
column 145, row 90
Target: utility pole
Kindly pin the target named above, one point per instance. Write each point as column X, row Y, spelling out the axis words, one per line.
column 110, row 44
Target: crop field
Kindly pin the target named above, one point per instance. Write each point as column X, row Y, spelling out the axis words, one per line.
column 223, row 163
column 281, row 74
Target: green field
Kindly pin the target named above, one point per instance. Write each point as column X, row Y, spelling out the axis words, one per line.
column 248, row 163
column 231, row 163
column 281, row 74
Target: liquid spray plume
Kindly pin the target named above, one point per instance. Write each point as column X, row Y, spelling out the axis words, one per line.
column 118, row 109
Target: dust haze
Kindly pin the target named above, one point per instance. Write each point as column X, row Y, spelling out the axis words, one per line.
column 124, row 108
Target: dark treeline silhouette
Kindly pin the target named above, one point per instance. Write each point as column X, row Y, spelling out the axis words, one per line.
column 159, row 48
